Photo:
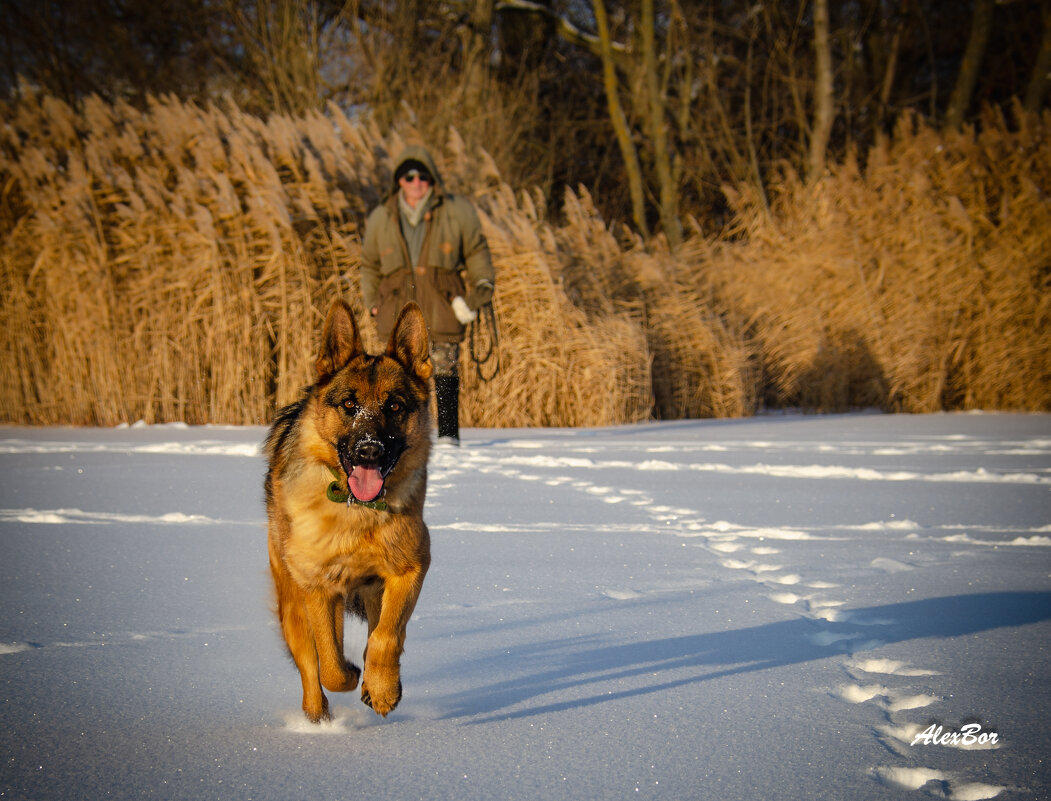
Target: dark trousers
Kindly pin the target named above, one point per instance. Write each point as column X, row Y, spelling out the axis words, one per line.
column 446, row 359
column 447, row 392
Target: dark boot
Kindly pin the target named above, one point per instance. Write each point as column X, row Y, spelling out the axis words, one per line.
column 447, row 393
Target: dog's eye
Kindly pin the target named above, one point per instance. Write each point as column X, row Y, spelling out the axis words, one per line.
column 394, row 407
column 350, row 406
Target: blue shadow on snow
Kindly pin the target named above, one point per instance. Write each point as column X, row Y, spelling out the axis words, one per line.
column 790, row 642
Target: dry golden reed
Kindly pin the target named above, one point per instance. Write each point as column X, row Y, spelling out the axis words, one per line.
column 175, row 263
column 920, row 284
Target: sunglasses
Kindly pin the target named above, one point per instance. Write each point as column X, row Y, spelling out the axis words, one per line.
column 413, row 175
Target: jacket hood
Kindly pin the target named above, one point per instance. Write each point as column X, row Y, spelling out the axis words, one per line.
column 420, row 154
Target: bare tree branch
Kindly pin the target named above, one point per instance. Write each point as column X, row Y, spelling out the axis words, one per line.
column 569, row 30
column 669, row 191
column 823, row 105
column 970, row 65
column 620, row 121
column 1040, row 79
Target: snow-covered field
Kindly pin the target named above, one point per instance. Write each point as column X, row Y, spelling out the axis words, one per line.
column 774, row 608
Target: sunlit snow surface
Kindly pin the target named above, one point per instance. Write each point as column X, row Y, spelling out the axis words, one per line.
column 774, row 608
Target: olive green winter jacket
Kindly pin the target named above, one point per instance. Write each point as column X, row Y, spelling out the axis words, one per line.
column 454, row 259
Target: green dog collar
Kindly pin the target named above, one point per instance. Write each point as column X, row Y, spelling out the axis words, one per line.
column 337, row 493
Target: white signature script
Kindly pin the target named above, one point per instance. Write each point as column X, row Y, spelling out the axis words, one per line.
column 970, row 734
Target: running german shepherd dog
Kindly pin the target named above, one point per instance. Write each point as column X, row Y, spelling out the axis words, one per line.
column 344, row 494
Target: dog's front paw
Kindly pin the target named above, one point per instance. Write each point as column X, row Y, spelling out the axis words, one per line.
column 381, row 698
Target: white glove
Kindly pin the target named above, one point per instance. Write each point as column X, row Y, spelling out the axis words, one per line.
column 464, row 313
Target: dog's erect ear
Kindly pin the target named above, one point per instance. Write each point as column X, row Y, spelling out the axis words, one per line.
column 409, row 343
column 340, row 340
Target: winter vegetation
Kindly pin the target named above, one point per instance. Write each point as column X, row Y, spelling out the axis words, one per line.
column 786, row 225
column 696, row 209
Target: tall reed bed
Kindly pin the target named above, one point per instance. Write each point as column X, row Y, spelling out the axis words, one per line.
column 167, row 264
column 176, row 263
column 919, row 284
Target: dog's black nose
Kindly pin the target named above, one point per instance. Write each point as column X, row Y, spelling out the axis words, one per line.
column 368, row 451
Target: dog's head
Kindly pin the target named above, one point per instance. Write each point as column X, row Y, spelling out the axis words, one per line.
column 374, row 407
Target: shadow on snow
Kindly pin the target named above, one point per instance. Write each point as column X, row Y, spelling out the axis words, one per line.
column 579, row 663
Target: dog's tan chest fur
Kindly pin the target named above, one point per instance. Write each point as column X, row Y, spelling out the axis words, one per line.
column 327, row 545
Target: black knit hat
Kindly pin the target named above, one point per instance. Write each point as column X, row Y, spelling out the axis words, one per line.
column 409, row 166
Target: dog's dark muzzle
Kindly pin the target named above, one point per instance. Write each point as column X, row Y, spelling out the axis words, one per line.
column 368, row 461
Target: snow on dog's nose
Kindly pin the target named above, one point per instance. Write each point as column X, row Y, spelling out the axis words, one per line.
column 367, row 464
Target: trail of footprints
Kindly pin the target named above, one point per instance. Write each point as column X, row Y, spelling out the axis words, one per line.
column 883, row 683
column 879, row 682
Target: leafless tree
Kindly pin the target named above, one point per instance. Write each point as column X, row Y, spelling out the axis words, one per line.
column 821, row 128
column 971, row 64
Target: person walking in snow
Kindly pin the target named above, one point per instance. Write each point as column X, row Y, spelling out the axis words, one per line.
column 425, row 244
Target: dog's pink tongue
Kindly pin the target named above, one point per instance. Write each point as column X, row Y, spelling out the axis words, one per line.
column 366, row 483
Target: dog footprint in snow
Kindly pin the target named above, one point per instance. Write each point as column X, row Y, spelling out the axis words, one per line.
column 750, row 565
column 725, row 547
column 789, row 579
column 887, row 698
column 890, row 667
column 906, row 739
column 609, row 495
column 826, row 639
column 813, row 608
column 890, row 565
column 787, row 598
column 605, row 494
column 824, row 610
column 848, row 616
column 558, row 481
column 760, row 572
column 820, row 609
column 939, row 783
